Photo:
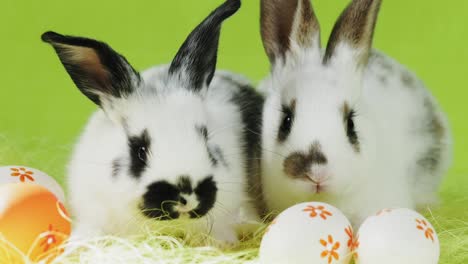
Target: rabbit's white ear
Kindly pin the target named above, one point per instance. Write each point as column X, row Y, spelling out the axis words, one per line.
column 285, row 23
column 194, row 64
column 99, row 72
column 351, row 38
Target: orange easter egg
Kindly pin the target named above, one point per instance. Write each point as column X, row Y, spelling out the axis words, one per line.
column 22, row 174
column 32, row 220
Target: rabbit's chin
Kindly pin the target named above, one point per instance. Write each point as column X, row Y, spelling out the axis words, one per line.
column 312, row 191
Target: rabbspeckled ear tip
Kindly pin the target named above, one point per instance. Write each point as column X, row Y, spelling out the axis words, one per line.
column 231, row 6
column 51, row 37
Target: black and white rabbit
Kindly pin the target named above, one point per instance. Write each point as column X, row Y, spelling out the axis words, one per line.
column 176, row 143
column 346, row 125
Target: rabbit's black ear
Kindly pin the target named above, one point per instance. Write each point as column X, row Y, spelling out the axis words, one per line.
column 97, row 70
column 354, row 31
column 285, row 23
column 195, row 62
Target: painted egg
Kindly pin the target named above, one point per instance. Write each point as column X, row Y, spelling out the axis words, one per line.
column 397, row 236
column 308, row 233
column 21, row 174
column 33, row 222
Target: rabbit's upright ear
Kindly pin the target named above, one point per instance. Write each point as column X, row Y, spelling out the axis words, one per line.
column 194, row 64
column 288, row 23
column 98, row 71
column 351, row 38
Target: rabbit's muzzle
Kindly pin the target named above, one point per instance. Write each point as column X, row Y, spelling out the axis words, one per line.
column 167, row 201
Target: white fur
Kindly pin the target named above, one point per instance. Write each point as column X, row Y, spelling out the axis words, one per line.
column 390, row 124
column 103, row 204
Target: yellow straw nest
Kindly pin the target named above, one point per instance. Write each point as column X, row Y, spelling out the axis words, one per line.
column 154, row 248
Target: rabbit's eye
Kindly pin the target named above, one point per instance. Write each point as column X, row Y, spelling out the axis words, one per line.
column 142, row 154
column 286, row 123
column 139, row 149
column 350, row 128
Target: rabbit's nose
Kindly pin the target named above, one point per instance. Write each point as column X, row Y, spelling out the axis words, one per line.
column 184, row 184
column 309, row 165
column 318, row 173
column 187, row 203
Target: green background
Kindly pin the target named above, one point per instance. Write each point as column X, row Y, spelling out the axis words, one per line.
column 42, row 113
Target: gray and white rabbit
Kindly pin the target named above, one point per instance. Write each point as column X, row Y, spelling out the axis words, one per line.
column 346, row 124
column 175, row 147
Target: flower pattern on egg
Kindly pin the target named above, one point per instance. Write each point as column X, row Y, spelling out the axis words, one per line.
column 331, row 248
column 353, row 241
column 49, row 239
column 423, row 226
column 22, row 173
column 318, row 211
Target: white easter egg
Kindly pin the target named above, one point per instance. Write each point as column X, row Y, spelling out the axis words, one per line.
column 397, row 236
column 310, row 232
column 22, row 174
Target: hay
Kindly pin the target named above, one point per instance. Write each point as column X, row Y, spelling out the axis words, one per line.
column 453, row 235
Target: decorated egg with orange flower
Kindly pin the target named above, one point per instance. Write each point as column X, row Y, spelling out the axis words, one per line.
column 22, row 174
column 307, row 233
column 33, row 222
column 397, row 236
